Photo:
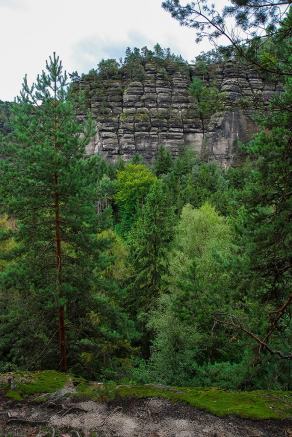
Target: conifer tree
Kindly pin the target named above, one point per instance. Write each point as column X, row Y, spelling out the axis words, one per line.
column 265, row 224
column 163, row 162
column 149, row 243
column 48, row 187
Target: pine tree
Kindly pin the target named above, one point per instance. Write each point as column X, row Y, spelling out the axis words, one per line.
column 108, row 333
column 48, row 186
column 266, row 231
column 149, row 243
column 163, row 162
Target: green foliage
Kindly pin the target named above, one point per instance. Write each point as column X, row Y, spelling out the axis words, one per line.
column 252, row 16
column 50, row 188
column 149, row 244
column 8, row 245
column 133, row 184
column 264, row 229
column 262, row 222
column 193, row 181
column 207, row 100
column 45, row 181
column 214, row 56
column 251, row 405
column 5, row 111
column 106, row 347
column 163, row 162
column 158, row 55
column 256, row 20
column 256, row 13
column 198, row 283
column 175, row 273
column 132, row 66
column 108, row 69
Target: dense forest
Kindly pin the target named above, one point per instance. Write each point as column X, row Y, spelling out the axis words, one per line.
column 176, row 272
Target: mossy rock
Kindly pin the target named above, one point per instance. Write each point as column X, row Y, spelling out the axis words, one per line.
column 32, row 383
column 250, row 405
column 261, row 404
column 142, row 117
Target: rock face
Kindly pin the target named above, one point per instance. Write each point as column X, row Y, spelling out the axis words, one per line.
column 137, row 117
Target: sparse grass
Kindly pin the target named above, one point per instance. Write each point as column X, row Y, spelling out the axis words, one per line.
column 253, row 405
column 12, row 394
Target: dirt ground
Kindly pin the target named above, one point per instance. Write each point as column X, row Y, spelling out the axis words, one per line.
column 126, row 418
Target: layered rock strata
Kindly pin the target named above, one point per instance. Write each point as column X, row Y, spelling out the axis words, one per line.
column 137, row 117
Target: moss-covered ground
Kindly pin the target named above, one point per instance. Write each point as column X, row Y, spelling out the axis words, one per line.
column 253, row 404
column 248, row 404
column 32, row 383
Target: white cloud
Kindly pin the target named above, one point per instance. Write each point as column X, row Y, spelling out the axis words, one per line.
column 11, row 3
column 82, row 33
column 89, row 51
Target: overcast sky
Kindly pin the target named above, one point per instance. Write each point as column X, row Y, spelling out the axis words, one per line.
column 82, row 32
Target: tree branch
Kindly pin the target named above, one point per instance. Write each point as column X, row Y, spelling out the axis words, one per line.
column 269, row 5
column 261, row 342
column 279, row 313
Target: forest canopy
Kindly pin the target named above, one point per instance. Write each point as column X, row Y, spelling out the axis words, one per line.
column 176, row 271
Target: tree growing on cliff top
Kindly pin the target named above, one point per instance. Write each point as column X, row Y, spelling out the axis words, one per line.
column 48, row 186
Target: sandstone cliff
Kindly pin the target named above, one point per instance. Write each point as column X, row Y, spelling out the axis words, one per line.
column 138, row 116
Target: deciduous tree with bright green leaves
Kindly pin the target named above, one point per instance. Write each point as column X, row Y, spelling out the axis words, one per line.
column 198, row 284
column 133, row 184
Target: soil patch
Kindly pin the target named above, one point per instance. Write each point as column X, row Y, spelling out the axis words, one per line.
column 126, row 418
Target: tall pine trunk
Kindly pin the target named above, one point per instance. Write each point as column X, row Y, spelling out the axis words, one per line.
column 62, row 338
